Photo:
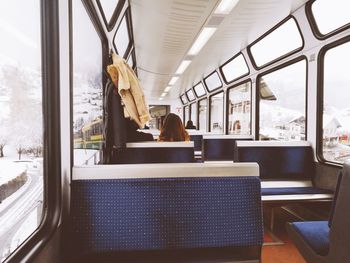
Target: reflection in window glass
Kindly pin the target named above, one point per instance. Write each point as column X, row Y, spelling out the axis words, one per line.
column 235, row 68
column 336, row 110
column 194, row 113
column 199, row 90
column 108, row 7
column 183, row 99
column 213, row 81
column 217, row 113
column 21, row 119
column 283, row 40
column 122, row 38
column 190, row 95
column 158, row 114
column 87, row 88
column 330, row 15
column 239, row 108
column 282, row 103
column 202, row 115
column 187, row 114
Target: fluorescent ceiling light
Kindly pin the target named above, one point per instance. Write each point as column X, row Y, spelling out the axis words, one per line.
column 160, row 98
column 167, row 89
column 184, row 64
column 201, row 40
column 173, row 80
column 163, row 94
column 225, row 7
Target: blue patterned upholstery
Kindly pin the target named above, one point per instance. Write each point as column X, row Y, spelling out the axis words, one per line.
column 293, row 191
column 174, row 213
column 316, row 235
column 197, row 139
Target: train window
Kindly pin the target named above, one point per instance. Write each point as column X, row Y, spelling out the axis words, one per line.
column 282, row 41
column 193, row 109
column 336, row 97
column 87, row 88
column 213, row 81
column 239, row 109
column 337, row 10
column 199, row 90
column 282, row 105
column 131, row 60
column 190, row 95
column 183, row 99
column 107, row 8
column 235, row 68
column 202, row 115
column 186, row 113
column 122, row 37
column 21, row 123
column 216, row 114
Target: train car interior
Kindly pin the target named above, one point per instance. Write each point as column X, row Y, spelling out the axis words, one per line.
column 174, row 131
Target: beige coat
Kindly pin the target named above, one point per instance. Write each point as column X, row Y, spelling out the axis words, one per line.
column 130, row 91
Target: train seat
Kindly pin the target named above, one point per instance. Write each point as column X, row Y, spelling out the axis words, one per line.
column 156, row 152
column 286, row 169
column 220, row 147
column 192, row 212
column 322, row 241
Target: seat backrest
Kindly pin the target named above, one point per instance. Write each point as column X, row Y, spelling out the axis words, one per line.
column 220, row 147
column 156, row 152
column 278, row 160
column 197, row 140
column 118, row 208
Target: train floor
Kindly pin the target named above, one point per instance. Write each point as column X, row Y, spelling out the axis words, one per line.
column 278, row 248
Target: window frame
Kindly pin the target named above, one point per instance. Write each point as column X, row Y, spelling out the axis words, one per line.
column 206, row 114
column 227, row 62
column 223, row 110
column 320, row 98
column 183, row 103
column 127, row 16
column 314, row 27
column 190, row 105
column 251, row 57
column 194, row 90
column 50, row 69
column 205, row 82
column 111, row 23
column 188, row 98
column 184, row 112
column 251, row 103
column 257, row 91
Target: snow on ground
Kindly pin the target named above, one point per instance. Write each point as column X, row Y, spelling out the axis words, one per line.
column 10, row 169
column 84, row 156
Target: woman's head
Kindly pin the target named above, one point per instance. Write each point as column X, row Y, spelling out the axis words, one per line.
column 173, row 129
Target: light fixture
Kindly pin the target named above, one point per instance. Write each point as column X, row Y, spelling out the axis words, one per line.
column 167, row 89
column 173, row 80
column 184, row 64
column 160, row 98
column 225, row 7
column 201, row 40
column 163, row 94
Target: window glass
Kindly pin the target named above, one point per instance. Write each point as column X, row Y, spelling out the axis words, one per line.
column 158, row 114
column 202, row 115
column 213, row 81
column 336, row 110
column 87, row 88
column 235, row 68
column 199, row 90
column 330, row 15
column 131, row 61
column 183, row 99
column 283, row 40
column 217, row 113
column 194, row 113
column 190, row 95
column 239, row 109
column 108, row 7
column 21, row 123
column 122, row 38
column 187, row 113
column 282, row 103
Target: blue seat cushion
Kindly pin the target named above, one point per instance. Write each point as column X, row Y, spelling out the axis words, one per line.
column 316, row 235
column 293, row 191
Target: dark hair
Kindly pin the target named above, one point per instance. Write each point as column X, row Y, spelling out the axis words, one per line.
column 173, row 129
column 189, row 125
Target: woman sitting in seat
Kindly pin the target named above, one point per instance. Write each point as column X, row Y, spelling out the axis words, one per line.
column 173, row 130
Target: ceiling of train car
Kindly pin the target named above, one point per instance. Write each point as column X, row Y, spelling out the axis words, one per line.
column 164, row 31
